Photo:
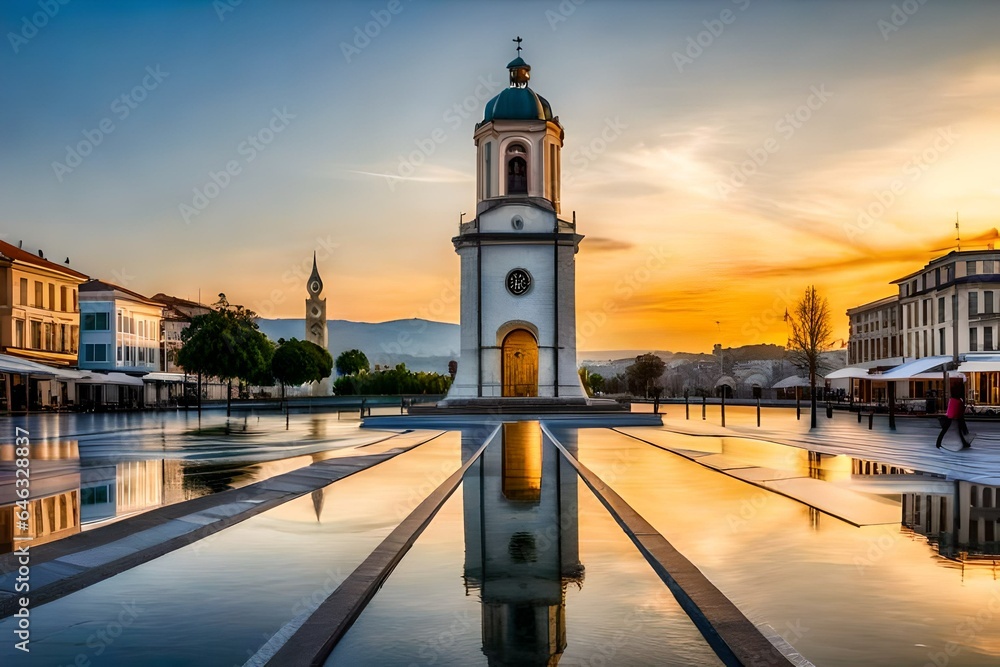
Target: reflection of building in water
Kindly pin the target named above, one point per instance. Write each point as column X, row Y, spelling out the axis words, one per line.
column 122, row 489
column 54, row 506
column 929, row 502
column 521, row 542
column 932, row 514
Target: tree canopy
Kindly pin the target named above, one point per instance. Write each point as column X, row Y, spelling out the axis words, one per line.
column 352, row 362
column 296, row 362
column 226, row 343
column 393, row 381
column 644, row 373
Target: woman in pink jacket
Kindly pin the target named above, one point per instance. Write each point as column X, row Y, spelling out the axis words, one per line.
column 955, row 412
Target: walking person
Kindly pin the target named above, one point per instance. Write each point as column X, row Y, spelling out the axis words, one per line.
column 955, row 412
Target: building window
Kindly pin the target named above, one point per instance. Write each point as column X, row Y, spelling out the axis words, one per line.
column 38, row 295
column 95, row 322
column 940, row 310
column 937, row 276
column 988, row 339
column 973, row 339
column 973, row 304
column 970, row 268
column 19, row 333
column 120, row 355
column 63, row 299
column 892, row 344
column 988, row 266
column 95, row 352
column 517, row 170
column 924, row 307
column 941, row 345
column 52, row 296
column 988, row 301
column 36, row 335
column 487, row 192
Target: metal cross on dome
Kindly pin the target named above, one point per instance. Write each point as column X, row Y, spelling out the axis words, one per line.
column 518, row 40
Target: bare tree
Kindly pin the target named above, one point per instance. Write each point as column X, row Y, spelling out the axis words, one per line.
column 811, row 335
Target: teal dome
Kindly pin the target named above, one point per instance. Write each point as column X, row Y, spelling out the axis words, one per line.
column 517, row 104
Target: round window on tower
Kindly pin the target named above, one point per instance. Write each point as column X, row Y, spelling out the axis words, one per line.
column 314, row 287
column 518, row 282
column 517, row 222
column 315, row 311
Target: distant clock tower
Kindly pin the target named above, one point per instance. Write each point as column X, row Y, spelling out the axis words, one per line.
column 316, row 321
column 518, row 310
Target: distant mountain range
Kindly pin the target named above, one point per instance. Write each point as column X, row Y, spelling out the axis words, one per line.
column 422, row 345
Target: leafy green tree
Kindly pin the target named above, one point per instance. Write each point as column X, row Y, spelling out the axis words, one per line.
column 352, row 362
column 597, row 382
column 644, row 373
column 226, row 343
column 811, row 335
column 393, row 381
column 322, row 358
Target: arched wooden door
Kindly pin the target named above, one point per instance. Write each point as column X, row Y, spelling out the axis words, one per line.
column 519, row 364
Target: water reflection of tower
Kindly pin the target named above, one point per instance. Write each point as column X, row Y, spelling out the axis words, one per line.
column 521, row 542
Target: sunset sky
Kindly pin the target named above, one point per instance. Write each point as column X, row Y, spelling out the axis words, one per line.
column 718, row 154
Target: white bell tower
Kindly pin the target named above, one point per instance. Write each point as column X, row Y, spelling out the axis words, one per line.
column 518, row 312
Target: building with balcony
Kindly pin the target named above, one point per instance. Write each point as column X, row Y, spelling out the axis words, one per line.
column 120, row 329
column 949, row 311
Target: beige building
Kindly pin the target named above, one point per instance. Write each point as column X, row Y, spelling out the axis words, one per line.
column 39, row 310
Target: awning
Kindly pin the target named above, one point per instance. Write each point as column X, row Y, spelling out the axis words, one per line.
column 980, row 364
column 167, row 377
column 849, row 372
column 112, row 378
column 16, row 365
column 791, row 381
column 913, row 368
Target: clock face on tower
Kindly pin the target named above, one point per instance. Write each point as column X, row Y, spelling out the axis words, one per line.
column 314, row 287
column 518, row 282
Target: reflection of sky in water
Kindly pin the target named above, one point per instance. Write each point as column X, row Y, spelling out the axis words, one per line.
column 83, row 474
column 485, row 567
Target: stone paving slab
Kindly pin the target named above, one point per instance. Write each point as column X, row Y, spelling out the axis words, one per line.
column 859, row 509
column 98, row 555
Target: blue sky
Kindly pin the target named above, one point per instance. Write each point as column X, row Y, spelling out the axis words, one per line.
column 742, row 238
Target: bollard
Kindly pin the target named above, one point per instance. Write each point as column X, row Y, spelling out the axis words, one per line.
column 723, row 406
column 859, row 415
column 758, row 413
column 703, row 408
column 687, row 406
column 871, row 419
column 829, row 410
